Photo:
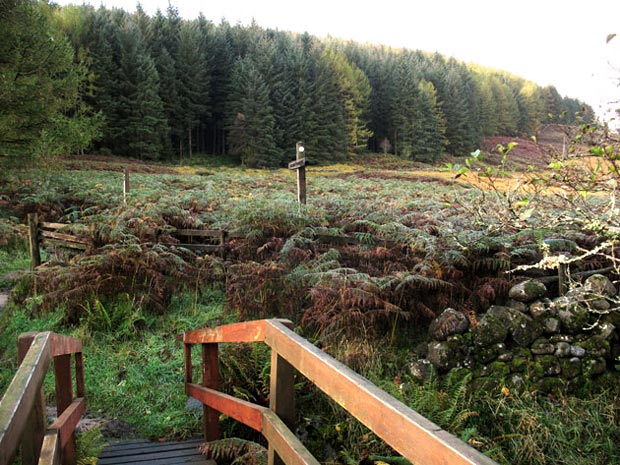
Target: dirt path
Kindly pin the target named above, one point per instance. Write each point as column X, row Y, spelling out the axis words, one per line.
column 3, row 300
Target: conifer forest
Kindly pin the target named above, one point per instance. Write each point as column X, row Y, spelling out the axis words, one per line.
column 162, row 87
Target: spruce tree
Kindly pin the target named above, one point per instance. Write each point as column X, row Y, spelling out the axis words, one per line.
column 250, row 117
column 430, row 130
column 39, row 86
column 143, row 134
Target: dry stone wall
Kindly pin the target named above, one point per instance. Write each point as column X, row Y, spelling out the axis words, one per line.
column 532, row 341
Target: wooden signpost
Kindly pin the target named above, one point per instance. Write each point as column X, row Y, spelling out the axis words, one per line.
column 299, row 164
column 125, row 185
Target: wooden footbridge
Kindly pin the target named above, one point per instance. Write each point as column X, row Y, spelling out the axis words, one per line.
column 22, row 409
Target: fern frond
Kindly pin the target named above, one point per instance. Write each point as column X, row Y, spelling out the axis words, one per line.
column 419, row 282
column 494, row 264
column 455, row 258
column 560, row 245
column 235, row 450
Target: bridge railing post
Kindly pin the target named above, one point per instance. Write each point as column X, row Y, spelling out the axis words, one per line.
column 64, row 397
column 210, row 379
column 281, row 397
column 32, row 438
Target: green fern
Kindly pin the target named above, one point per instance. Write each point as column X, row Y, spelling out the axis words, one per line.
column 408, row 281
column 235, row 451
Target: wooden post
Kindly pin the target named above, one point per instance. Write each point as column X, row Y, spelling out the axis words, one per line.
column 80, row 386
column 223, row 239
column 187, row 353
column 210, row 379
column 301, row 174
column 126, row 187
column 281, row 398
column 33, row 239
column 64, row 397
column 562, row 277
column 300, row 165
column 32, row 438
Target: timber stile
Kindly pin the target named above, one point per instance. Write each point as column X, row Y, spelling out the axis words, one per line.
column 22, row 417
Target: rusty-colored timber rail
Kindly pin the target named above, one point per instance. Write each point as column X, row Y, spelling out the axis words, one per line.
column 22, row 408
column 415, row 437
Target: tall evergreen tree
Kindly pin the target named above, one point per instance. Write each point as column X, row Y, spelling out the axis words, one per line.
column 430, row 132
column 144, row 133
column 193, row 71
column 42, row 112
column 250, row 117
column 404, row 109
column 354, row 96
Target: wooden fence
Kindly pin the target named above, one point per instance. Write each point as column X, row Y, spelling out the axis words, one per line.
column 45, row 234
column 202, row 240
column 51, row 234
column 416, row 438
column 22, row 408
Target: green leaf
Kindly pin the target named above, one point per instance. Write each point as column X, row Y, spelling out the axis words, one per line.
column 522, row 203
column 555, row 165
column 598, row 151
column 610, row 37
column 527, row 213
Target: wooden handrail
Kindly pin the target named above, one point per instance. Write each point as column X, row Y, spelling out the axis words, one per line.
column 22, row 408
column 413, row 436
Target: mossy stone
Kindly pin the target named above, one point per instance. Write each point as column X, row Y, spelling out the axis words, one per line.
column 485, row 355
column 542, row 346
column 535, row 370
column 572, row 314
column 562, row 349
column 551, row 385
column 498, row 370
column 490, row 330
column 592, row 367
column 571, row 367
column 527, row 291
column 550, row 364
column 522, row 328
column 595, row 346
column 445, row 355
column 600, row 285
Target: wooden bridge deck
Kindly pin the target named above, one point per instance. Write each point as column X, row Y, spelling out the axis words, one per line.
column 143, row 452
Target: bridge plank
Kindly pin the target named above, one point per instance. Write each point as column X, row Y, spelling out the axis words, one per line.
column 154, row 453
column 124, row 448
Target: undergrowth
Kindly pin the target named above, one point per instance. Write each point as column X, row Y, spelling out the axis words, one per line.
column 362, row 269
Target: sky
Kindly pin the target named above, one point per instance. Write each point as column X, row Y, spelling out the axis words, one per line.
column 561, row 43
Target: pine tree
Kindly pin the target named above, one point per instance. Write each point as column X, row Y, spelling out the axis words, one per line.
column 194, row 80
column 553, row 104
column 250, row 117
column 404, row 109
column 164, row 48
column 328, row 139
column 354, row 96
column 42, row 113
column 430, row 130
column 222, row 61
column 143, row 134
